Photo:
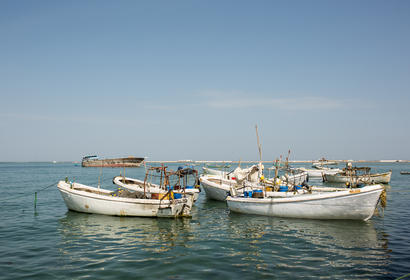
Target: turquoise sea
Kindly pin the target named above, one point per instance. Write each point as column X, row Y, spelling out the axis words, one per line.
column 50, row 242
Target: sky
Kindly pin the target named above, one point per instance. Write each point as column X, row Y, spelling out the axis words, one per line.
column 172, row 80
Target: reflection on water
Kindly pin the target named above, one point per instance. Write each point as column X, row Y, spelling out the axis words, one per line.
column 128, row 233
column 247, row 243
column 310, row 244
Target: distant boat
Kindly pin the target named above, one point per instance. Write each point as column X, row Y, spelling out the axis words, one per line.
column 93, row 161
column 405, row 172
column 218, row 166
column 358, row 175
column 324, row 162
column 320, row 172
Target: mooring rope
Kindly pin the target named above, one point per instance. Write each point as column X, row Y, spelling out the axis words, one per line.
column 404, row 276
column 35, row 194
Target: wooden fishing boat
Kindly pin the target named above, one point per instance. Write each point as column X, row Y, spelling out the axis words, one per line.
column 86, row 199
column 93, row 161
column 324, row 162
column 218, row 188
column 215, row 172
column 219, row 166
column 346, row 204
column 353, row 176
column 315, row 173
column 185, row 181
column 405, row 172
column 293, row 177
column 290, row 176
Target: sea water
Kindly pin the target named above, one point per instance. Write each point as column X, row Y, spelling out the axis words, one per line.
column 50, row 242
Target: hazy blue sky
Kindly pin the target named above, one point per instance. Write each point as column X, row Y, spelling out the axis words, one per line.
column 190, row 79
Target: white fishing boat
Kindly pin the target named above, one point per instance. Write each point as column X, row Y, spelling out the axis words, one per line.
column 185, row 181
column 375, row 178
column 86, row 199
column 324, row 162
column 290, row 177
column 346, row 204
column 315, row 173
column 138, row 186
column 218, row 188
column 293, row 177
column 215, row 172
column 250, row 173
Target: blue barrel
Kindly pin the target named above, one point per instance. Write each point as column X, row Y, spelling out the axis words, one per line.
column 247, row 193
column 283, row 188
column 177, row 195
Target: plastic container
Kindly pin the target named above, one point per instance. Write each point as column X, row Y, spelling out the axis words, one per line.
column 283, row 188
column 164, row 196
column 247, row 193
column 177, row 195
column 257, row 194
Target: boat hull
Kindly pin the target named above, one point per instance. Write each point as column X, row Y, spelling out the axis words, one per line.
column 85, row 199
column 354, row 204
column 115, row 162
column 379, row 178
column 319, row 173
column 213, row 189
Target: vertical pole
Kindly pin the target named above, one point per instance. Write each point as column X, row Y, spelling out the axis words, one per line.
column 35, row 201
column 260, row 151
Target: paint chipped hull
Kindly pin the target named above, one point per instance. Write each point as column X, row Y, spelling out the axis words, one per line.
column 86, row 199
column 377, row 178
column 115, row 162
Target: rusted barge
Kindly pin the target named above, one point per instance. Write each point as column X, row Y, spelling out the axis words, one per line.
column 93, row 161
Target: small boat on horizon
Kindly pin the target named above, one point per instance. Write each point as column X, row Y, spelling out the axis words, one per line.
column 320, row 171
column 323, row 162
